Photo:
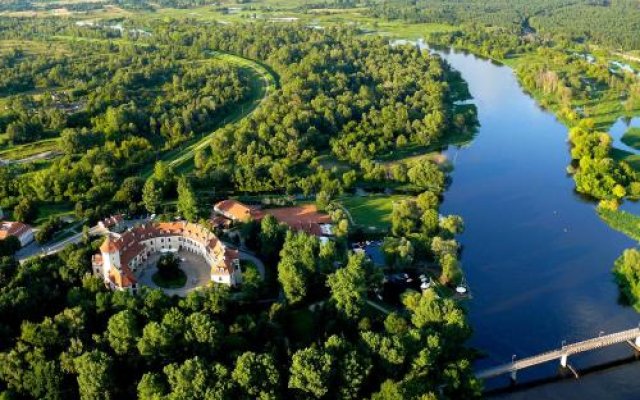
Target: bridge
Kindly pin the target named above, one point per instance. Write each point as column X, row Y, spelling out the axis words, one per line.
column 630, row 336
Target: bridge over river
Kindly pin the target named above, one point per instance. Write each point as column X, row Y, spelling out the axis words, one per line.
column 630, row 336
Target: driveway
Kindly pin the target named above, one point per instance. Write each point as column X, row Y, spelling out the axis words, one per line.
column 255, row 260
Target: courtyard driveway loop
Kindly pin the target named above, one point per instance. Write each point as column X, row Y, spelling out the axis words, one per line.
column 194, row 266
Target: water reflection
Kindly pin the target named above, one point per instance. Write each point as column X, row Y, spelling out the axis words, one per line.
column 537, row 256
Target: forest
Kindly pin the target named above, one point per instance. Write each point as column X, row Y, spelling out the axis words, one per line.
column 138, row 121
column 65, row 336
column 115, row 114
column 610, row 23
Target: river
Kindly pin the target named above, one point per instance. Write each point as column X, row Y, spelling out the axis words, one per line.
column 536, row 256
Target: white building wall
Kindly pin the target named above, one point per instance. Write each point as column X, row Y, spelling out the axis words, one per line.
column 26, row 237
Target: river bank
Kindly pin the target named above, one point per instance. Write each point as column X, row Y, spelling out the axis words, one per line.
column 536, row 255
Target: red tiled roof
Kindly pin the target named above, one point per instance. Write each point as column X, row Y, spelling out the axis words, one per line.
column 305, row 218
column 9, row 228
column 238, row 210
column 129, row 246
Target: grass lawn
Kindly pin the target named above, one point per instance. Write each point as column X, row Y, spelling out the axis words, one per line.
column 373, row 212
column 632, row 159
column 632, row 138
column 30, row 149
column 48, row 210
column 177, row 283
column 622, row 221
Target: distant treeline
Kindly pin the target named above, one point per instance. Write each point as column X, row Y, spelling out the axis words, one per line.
column 610, row 23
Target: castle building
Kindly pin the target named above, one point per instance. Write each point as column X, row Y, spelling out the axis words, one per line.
column 122, row 255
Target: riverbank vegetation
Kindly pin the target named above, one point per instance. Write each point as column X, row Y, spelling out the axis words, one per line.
column 627, row 273
column 622, row 221
column 595, row 173
column 611, row 24
column 570, row 79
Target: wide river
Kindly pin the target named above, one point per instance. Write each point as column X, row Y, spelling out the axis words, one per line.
column 536, row 256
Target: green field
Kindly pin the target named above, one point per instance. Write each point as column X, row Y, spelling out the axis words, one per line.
column 621, row 155
column 622, row 221
column 632, row 138
column 30, row 149
column 48, row 210
column 371, row 212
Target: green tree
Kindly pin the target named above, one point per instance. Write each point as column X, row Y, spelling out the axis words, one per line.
column 349, row 286
column 398, row 252
column 25, row 211
column 272, row 235
column 426, row 175
column 297, row 265
column 195, row 380
column 165, row 177
column 427, row 201
column 130, row 191
column 187, row 203
column 626, row 271
column 257, row 374
column 151, row 195
column 451, row 272
column 169, row 267
column 430, row 221
column 9, row 246
column 404, row 217
column 310, row 372
column 155, row 341
column 452, row 224
column 95, row 376
column 202, row 331
column 123, row 332
column 151, row 387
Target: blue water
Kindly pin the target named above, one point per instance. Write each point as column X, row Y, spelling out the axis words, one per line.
column 536, row 256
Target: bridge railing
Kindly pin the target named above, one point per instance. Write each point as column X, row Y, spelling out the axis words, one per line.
column 565, row 350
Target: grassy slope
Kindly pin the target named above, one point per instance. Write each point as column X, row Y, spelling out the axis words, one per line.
column 632, row 138
column 622, row 221
column 371, row 211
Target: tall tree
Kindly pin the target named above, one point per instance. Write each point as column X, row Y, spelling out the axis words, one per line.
column 257, row 374
column 123, row 332
column 95, row 376
column 151, row 195
column 187, row 203
column 349, row 286
column 310, row 372
column 297, row 265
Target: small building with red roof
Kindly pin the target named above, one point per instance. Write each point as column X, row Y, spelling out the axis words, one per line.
column 23, row 232
column 304, row 218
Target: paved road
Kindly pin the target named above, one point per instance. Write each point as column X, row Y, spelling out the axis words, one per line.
column 255, row 260
column 35, row 249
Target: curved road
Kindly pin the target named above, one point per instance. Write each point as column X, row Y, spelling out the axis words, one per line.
column 263, row 83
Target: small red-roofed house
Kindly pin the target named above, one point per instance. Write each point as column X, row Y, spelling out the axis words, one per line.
column 23, row 232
